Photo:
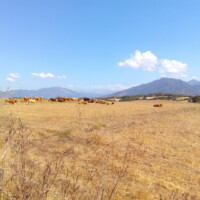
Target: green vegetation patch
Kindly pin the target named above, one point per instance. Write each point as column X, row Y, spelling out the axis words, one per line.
column 196, row 99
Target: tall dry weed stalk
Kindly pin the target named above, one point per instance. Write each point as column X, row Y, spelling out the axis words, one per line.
column 25, row 178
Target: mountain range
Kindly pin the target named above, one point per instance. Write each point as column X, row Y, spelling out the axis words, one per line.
column 163, row 85
column 46, row 92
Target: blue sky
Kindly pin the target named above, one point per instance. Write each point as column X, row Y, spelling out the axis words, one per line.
column 97, row 44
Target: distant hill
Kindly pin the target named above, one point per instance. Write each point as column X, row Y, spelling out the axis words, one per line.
column 46, row 92
column 194, row 82
column 163, row 85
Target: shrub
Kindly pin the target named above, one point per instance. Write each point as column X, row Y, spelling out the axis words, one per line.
column 196, row 99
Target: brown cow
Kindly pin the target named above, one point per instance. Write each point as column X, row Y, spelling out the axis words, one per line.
column 52, row 99
column 32, row 101
column 103, row 102
column 91, row 101
column 26, row 99
column 11, row 101
column 62, row 99
column 40, row 99
column 157, row 105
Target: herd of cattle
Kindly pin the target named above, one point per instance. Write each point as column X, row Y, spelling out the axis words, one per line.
column 29, row 100
column 84, row 101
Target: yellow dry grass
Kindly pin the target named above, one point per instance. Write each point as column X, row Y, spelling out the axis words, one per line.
column 148, row 153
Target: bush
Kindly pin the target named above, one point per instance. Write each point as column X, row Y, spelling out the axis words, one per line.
column 196, row 99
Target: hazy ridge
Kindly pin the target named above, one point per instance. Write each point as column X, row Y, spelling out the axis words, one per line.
column 163, row 85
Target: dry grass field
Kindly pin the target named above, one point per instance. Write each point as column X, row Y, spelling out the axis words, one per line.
column 129, row 150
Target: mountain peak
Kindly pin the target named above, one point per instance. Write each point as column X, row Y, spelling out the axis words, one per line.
column 194, row 82
column 162, row 85
column 170, row 79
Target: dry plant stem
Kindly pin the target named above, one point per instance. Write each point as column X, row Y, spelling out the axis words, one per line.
column 121, row 173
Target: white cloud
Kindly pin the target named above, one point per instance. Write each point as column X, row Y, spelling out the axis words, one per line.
column 173, row 68
column 147, row 61
column 108, row 87
column 195, row 77
column 10, row 79
column 48, row 75
column 111, row 87
column 14, row 75
column 43, row 75
column 70, row 86
column 61, row 77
